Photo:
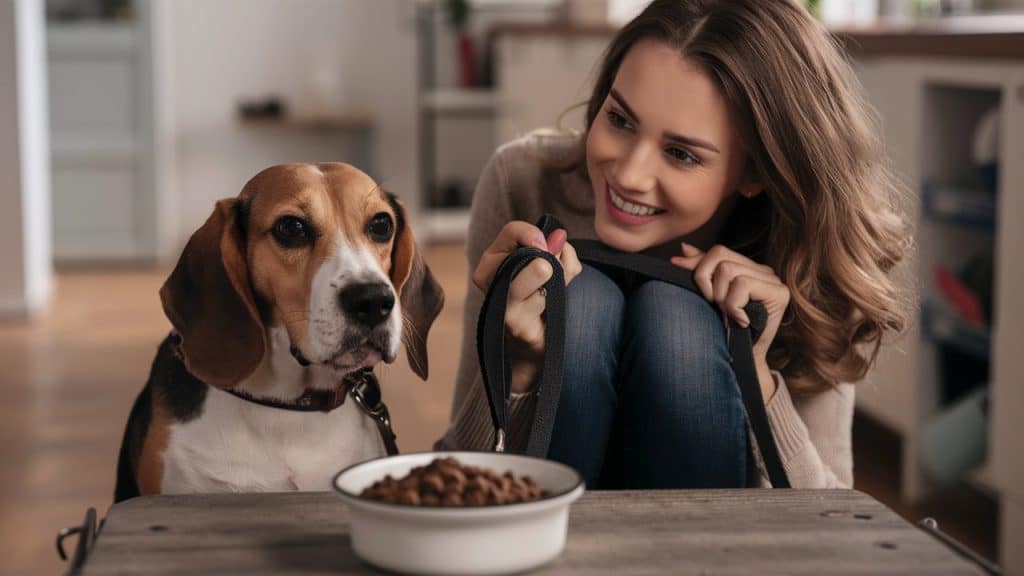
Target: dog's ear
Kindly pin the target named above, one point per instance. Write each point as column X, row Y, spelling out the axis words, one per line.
column 208, row 298
column 421, row 296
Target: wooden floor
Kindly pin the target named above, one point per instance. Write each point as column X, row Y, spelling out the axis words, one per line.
column 69, row 378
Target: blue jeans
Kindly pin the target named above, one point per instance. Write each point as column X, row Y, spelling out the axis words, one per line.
column 649, row 396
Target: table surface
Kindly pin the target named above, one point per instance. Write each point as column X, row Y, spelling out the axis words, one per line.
column 634, row 532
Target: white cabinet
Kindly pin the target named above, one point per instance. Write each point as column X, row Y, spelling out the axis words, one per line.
column 101, row 124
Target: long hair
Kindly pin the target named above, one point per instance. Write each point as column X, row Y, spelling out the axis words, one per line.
column 829, row 220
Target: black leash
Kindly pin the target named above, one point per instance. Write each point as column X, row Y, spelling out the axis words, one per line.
column 494, row 364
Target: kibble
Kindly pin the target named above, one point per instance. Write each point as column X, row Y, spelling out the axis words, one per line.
column 446, row 482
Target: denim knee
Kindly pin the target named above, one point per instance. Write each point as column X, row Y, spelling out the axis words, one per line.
column 660, row 313
column 685, row 420
column 593, row 328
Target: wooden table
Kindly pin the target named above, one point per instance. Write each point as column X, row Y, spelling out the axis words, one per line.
column 644, row 532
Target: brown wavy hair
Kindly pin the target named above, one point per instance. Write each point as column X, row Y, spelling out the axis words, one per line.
column 829, row 220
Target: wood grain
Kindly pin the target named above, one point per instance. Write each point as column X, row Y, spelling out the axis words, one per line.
column 641, row 532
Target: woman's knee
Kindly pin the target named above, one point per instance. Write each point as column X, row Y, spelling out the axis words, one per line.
column 593, row 328
column 676, row 351
column 664, row 319
column 594, row 310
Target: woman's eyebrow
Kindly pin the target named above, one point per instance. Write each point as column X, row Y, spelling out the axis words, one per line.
column 686, row 140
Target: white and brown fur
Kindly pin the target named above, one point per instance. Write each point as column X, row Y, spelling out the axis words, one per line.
column 260, row 316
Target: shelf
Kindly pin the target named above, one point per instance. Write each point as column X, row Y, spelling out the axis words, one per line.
column 353, row 121
column 942, row 326
column 959, row 205
column 445, row 224
column 457, row 100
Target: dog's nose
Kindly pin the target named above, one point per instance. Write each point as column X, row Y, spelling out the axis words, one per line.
column 369, row 304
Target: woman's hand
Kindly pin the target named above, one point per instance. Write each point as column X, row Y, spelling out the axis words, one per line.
column 731, row 280
column 526, row 302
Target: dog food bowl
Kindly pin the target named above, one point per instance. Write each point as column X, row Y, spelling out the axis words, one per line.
column 499, row 539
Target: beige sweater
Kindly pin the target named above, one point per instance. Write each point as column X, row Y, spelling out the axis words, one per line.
column 812, row 433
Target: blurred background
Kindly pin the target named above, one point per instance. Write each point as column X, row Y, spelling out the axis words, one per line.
column 122, row 121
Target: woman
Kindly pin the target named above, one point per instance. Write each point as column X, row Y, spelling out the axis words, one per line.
column 728, row 137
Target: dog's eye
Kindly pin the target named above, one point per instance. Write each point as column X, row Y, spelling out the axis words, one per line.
column 292, row 232
column 381, row 227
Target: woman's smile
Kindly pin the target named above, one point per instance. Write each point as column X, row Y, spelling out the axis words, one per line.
column 628, row 212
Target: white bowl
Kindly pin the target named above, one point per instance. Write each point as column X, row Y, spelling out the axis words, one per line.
column 478, row 540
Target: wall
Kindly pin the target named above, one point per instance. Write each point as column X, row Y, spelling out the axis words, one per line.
column 361, row 52
column 26, row 281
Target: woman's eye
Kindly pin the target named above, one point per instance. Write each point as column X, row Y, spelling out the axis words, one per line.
column 292, row 232
column 682, row 156
column 381, row 227
column 617, row 120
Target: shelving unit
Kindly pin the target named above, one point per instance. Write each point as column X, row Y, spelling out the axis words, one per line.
column 959, row 205
column 929, row 108
column 458, row 125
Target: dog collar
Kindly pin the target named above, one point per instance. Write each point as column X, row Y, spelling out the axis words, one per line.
column 310, row 401
column 362, row 385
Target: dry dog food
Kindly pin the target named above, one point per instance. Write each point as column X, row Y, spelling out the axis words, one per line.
column 446, row 482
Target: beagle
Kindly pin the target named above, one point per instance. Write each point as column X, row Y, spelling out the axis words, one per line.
column 308, row 276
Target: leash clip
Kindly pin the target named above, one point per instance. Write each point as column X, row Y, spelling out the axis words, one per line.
column 363, row 388
column 499, row 439
column 378, row 412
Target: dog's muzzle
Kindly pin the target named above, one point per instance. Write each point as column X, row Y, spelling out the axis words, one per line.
column 368, row 304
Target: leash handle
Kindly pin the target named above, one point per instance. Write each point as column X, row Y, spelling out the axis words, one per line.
column 494, row 363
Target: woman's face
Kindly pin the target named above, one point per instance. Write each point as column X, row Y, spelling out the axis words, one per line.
column 664, row 160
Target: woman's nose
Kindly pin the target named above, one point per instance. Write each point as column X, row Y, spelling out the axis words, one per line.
column 636, row 170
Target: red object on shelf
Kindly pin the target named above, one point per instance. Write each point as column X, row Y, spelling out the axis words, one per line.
column 958, row 295
column 467, row 61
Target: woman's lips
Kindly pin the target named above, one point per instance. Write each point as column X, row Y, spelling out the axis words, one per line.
column 621, row 215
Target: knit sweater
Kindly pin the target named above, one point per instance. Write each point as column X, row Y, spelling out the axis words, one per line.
column 521, row 183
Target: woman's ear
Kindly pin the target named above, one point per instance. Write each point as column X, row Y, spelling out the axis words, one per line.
column 751, row 189
column 421, row 296
column 750, row 184
column 209, row 300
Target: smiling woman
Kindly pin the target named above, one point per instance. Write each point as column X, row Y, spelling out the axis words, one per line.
column 727, row 137
column 664, row 171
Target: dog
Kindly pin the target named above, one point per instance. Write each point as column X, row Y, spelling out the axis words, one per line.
column 310, row 275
